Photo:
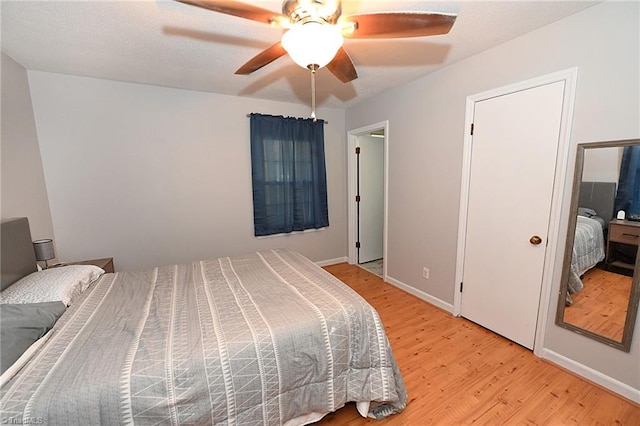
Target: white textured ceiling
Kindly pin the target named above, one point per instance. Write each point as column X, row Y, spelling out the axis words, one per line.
column 171, row 44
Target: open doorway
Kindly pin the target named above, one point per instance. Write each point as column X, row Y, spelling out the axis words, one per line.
column 367, row 197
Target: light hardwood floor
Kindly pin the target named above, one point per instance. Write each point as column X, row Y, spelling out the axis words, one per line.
column 457, row 372
column 602, row 304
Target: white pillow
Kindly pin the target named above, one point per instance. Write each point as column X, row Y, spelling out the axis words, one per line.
column 63, row 283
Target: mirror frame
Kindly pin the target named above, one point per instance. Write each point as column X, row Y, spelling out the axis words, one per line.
column 634, row 296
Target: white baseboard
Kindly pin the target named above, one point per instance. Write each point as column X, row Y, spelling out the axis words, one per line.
column 592, row 375
column 332, row 261
column 420, row 294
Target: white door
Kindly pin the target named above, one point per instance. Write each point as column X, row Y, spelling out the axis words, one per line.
column 371, row 210
column 513, row 162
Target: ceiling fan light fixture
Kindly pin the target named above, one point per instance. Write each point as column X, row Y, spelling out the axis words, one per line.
column 312, row 43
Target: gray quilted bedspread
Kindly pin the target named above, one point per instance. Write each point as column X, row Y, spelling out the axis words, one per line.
column 261, row 339
column 588, row 250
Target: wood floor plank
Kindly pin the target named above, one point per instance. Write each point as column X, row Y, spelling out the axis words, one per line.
column 459, row 373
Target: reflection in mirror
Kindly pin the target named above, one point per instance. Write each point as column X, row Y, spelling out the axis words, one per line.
column 600, row 279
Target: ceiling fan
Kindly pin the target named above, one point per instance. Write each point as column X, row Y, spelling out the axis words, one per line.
column 315, row 30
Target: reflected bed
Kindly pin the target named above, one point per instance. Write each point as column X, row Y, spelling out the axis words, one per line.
column 588, row 251
column 595, row 210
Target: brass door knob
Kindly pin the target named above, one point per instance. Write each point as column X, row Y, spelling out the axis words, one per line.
column 535, row 240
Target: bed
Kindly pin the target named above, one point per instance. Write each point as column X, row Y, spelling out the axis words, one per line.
column 594, row 213
column 263, row 338
column 588, row 250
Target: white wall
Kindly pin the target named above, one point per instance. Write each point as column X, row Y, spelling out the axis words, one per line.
column 426, row 128
column 153, row 176
column 23, row 189
column 602, row 165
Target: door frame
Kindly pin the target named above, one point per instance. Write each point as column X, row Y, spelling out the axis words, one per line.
column 352, row 218
column 569, row 76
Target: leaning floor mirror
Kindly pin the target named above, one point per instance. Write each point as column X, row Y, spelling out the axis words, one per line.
column 600, row 286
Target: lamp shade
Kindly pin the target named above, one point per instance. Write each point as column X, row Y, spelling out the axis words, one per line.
column 312, row 43
column 44, row 249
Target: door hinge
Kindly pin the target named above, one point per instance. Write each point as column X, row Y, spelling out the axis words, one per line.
column 357, row 198
column 461, row 285
column 357, row 150
column 471, row 129
column 357, row 244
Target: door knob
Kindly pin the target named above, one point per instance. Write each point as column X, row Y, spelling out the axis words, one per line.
column 535, row 240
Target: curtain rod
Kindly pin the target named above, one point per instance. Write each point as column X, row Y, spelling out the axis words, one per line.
column 319, row 119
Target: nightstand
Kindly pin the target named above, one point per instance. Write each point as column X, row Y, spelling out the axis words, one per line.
column 106, row 263
column 625, row 233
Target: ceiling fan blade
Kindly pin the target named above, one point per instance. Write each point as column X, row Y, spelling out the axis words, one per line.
column 342, row 66
column 398, row 24
column 261, row 59
column 241, row 10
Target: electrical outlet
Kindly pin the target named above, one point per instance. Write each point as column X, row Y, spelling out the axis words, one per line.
column 425, row 273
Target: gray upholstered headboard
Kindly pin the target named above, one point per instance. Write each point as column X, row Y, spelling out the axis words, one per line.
column 17, row 257
column 600, row 197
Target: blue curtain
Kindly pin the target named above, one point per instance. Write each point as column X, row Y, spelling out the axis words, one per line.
column 628, row 194
column 288, row 173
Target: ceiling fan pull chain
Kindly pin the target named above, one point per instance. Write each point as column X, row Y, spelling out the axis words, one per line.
column 313, row 69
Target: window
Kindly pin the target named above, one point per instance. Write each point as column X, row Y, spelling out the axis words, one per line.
column 288, row 173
